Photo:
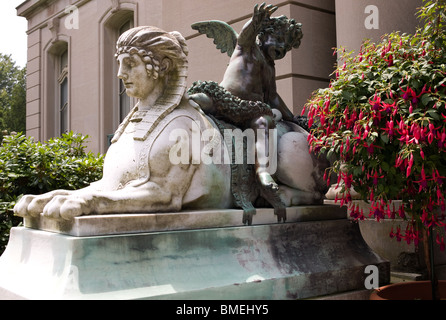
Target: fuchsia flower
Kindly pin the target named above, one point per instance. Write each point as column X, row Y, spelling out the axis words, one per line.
column 390, row 108
column 402, row 212
column 411, row 234
column 408, row 94
column 347, row 178
column 423, row 181
column 432, row 133
column 378, row 213
column 389, row 128
column 440, row 241
column 375, row 103
column 390, row 60
column 357, row 214
column 422, row 154
column 436, row 177
column 403, row 132
column 396, row 234
column 375, row 177
column 409, row 166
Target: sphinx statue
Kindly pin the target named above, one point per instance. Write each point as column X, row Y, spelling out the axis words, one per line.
column 169, row 155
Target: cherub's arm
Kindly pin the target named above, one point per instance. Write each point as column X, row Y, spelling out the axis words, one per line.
column 248, row 35
column 276, row 102
column 279, row 104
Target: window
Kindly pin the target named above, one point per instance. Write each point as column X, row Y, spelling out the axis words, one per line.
column 56, row 83
column 114, row 102
column 63, row 93
column 124, row 99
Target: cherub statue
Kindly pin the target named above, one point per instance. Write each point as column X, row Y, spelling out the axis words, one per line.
column 250, row 75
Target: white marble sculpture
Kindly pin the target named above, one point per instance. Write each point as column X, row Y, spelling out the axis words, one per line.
column 152, row 166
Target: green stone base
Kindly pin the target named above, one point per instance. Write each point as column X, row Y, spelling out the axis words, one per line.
column 292, row 260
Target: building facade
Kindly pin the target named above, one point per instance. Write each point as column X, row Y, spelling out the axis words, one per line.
column 71, row 69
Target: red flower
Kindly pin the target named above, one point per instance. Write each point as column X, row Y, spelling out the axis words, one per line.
column 389, row 128
column 436, row 177
column 388, row 108
column 408, row 94
column 432, row 133
column 347, row 180
column 376, row 103
column 441, row 136
column 389, row 60
column 440, row 241
column 377, row 212
column 423, row 181
column 397, row 234
column 403, row 132
column 411, row 94
column 401, row 211
column 409, row 167
column 375, row 177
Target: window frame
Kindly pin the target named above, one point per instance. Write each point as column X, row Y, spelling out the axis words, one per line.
column 125, row 102
column 53, row 78
column 63, row 116
column 110, row 86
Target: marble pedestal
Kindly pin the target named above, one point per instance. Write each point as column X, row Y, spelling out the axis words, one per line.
column 188, row 255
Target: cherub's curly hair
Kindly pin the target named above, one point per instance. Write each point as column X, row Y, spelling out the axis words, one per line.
column 289, row 27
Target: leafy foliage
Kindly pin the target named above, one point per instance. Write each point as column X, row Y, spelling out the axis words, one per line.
column 383, row 120
column 29, row 167
column 12, row 96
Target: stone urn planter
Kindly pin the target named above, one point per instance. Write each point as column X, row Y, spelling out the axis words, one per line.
column 411, row 290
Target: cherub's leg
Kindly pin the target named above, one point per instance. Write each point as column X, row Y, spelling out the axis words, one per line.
column 263, row 147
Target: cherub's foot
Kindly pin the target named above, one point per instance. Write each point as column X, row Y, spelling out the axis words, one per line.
column 267, row 181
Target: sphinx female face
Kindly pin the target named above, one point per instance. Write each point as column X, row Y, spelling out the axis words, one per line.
column 132, row 71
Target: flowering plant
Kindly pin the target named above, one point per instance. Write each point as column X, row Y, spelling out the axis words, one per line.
column 383, row 122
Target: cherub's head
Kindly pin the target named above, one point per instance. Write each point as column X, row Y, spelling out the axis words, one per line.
column 278, row 36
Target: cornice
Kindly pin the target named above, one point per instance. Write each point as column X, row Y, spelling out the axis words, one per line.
column 30, row 7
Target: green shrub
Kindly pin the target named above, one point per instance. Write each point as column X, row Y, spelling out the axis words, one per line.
column 29, row 167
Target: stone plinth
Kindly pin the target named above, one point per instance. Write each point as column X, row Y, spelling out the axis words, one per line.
column 304, row 257
column 184, row 220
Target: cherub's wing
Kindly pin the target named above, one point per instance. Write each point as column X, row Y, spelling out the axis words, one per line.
column 225, row 37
